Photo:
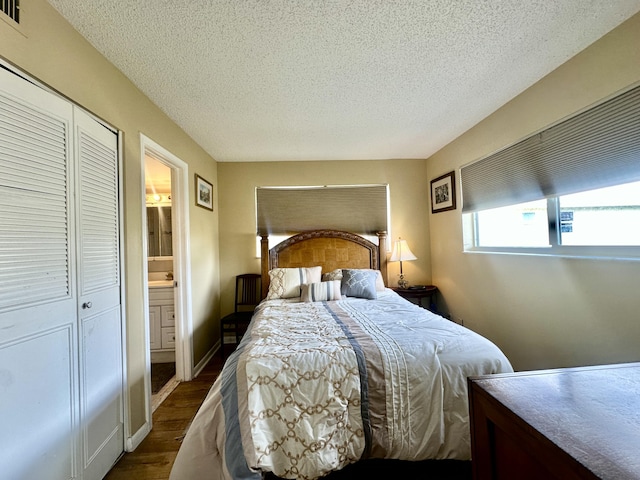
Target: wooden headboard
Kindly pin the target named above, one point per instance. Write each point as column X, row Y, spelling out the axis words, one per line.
column 331, row 249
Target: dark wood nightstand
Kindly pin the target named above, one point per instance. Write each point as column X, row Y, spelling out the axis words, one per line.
column 428, row 292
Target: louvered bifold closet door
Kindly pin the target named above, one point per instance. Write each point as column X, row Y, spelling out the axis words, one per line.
column 101, row 373
column 38, row 310
column 33, row 188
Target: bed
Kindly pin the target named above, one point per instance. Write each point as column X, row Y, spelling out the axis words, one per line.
column 335, row 368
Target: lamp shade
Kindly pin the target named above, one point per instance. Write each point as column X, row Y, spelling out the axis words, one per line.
column 401, row 252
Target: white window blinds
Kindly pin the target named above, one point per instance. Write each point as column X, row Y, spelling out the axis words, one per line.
column 597, row 148
column 355, row 208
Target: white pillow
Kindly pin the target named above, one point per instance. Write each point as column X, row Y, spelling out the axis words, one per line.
column 320, row 292
column 286, row 282
column 337, row 275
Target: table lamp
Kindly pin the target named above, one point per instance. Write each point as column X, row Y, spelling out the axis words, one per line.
column 401, row 253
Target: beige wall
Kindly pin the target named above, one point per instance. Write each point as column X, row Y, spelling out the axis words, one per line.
column 544, row 312
column 48, row 48
column 409, row 203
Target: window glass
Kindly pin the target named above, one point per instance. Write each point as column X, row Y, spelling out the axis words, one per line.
column 607, row 216
column 523, row 225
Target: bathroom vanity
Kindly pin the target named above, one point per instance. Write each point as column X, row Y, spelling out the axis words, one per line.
column 161, row 321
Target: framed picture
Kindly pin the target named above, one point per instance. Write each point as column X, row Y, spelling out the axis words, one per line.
column 443, row 193
column 204, row 193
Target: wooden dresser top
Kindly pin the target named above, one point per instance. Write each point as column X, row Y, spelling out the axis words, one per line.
column 592, row 413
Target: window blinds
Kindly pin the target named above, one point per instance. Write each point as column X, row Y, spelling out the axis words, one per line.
column 354, row 208
column 597, row 148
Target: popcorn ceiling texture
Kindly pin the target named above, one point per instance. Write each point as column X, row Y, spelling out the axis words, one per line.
column 261, row 80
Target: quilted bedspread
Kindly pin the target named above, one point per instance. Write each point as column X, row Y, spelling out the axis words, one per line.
column 313, row 387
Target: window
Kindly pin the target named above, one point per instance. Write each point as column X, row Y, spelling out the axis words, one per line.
column 360, row 209
column 570, row 189
column 606, row 218
column 523, row 225
column 282, row 211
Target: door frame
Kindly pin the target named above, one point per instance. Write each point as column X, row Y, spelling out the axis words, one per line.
column 181, row 263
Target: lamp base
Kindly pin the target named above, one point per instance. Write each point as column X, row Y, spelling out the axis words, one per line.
column 402, row 282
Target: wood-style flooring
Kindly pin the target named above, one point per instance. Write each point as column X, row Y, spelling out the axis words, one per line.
column 153, row 458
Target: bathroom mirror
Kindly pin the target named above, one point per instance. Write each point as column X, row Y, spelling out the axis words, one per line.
column 159, row 229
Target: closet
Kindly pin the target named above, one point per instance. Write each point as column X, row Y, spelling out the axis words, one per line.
column 61, row 358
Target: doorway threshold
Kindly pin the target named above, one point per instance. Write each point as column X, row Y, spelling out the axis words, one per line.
column 158, row 398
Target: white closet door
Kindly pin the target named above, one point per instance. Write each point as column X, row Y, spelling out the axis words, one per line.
column 38, row 309
column 101, row 380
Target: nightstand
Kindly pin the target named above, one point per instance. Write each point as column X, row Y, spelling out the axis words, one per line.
column 428, row 292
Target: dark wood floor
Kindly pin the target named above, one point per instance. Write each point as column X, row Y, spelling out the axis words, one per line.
column 152, row 460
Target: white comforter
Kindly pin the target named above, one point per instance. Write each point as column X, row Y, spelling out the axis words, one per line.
column 316, row 386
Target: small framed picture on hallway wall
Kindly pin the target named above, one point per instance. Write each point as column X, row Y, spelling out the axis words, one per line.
column 204, row 193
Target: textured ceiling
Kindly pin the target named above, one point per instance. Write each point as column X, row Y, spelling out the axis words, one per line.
column 259, row 80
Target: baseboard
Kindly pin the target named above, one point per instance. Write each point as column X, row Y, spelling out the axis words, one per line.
column 203, row 363
column 165, row 391
column 163, row 356
column 134, row 441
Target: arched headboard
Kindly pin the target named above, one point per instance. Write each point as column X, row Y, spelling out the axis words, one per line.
column 330, row 249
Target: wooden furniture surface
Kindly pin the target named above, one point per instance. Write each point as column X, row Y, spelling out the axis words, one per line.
column 420, row 294
column 574, row 423
column 247, row 296
column 330, row 249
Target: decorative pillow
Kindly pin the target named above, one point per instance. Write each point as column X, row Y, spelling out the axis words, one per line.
column 337, row 275
column 359, row 283
column 286, row 282
column 332, row 275
column 319, row 292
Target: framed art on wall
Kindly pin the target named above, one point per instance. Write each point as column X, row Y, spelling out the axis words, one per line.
column 204, row 193
column 443, row 193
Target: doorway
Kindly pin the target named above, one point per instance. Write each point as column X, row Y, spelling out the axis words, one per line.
column 167, row 272
column 160, row 283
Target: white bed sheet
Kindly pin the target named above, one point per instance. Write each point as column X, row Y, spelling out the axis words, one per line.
column 415, row 376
